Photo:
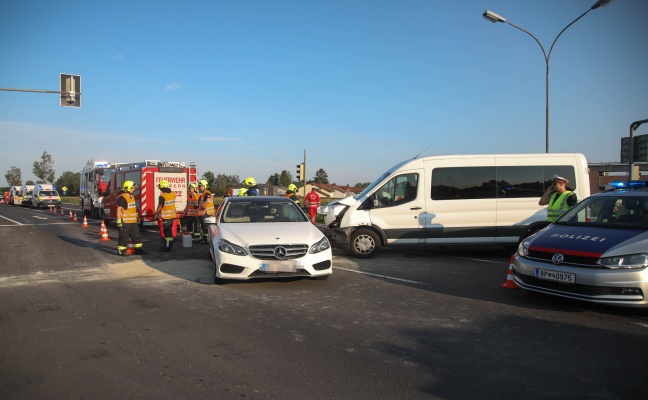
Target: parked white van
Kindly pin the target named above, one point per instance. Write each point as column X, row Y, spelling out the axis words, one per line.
column 484, row 199
column 15, row 195
column 28, row 192
column 45, row 195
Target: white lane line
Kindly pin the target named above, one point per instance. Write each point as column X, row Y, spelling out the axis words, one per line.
column 9, row 219
column 383, row 276
column 45, row 223
column 36, row 216
column 476, row 259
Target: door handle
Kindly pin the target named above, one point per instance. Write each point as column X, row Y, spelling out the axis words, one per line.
column 415, row 208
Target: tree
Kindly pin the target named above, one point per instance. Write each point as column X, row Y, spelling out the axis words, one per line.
column 362, row 185
column 219, row 187
column 70, row 180
column 14, row 176
column 285, row 179
column 30, row 182
column 44, row 169
column 274, row 179
column 321, row 177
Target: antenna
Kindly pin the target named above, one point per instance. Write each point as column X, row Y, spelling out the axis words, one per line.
column 415, row 157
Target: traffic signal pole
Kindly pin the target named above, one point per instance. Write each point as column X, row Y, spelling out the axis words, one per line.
column 631, row 170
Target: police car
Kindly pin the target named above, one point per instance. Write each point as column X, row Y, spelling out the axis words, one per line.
column 597, row 251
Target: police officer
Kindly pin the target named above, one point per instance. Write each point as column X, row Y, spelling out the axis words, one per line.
column 166, row 214
column 291, row 193
column 127, row 221
column 205, row 208
column 558, row 198
column 191, row 212
column 252, row 188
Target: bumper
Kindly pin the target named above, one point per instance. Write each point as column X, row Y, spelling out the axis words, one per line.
column 228, row 266
column 624, row 287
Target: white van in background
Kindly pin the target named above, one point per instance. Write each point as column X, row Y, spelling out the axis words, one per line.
column 455, row 199
column 15, row 195
column 28, row 192
column 45, row 195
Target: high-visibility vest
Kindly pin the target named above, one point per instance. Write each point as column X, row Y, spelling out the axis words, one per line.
column 205, row 208
column 293, row 197
column 192, row 204
column 169, row 209
column 559, row 206
column 129, row 215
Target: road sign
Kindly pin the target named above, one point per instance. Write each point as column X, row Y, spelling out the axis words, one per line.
column 70, row 90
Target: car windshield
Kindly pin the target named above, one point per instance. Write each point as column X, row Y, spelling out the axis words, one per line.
column 627, row 212
column 48, row 193
column 262, row 211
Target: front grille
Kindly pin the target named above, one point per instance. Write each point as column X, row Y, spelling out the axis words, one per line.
column 575, row 289
column 267, row 252
column 261, row 274
column 578, row 261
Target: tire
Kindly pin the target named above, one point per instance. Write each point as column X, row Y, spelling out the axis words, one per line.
column 322, row 277
column 364, row 243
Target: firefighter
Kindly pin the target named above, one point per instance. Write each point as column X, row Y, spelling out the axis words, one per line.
column 291, row 193
column 127, row 220
column 558, row 198
column 252, row 188
column 166, row 215
column 191, row 212
column 205, row 208
column 313, row 201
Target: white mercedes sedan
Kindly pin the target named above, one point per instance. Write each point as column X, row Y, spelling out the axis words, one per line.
column 266, row 237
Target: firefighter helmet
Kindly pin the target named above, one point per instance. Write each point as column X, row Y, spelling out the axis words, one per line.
column 128, row 185
column 250, row 181
column 164, row 184
column 242, row 192
column 292, row 187
column 192, row 185
column 203, row 183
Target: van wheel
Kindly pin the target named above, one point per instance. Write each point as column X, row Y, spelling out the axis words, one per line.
column 364, row 243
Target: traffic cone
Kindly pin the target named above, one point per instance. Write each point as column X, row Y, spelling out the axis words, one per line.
column 62, row 213
column 510, row 283
column 75, row 218
column 85, row 222
column 104, row 232
column 70, row 215
column 130, row 249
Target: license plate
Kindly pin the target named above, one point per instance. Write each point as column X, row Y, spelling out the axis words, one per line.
column 555, row 276
column 146, row 223
column 278, row 266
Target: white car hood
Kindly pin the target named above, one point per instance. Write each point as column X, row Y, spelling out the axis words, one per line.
column 245, row 234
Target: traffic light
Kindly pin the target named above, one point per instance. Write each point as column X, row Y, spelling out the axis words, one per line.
column 639, row 149
column 70, row 90
column 300, row 172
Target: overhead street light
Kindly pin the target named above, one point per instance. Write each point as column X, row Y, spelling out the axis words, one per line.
column 494, row 18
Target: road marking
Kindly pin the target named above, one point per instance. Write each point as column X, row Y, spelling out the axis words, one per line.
column 9, row 219
column 476, row 259
column 36, row 216
column 383, row 276
column 50, row 223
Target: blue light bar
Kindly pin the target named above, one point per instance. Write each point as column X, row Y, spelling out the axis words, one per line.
column 628, row 184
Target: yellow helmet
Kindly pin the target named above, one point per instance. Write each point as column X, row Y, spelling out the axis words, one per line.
column 203, row 182
column 242, row 192
column 128, row 185
column 192, row 185
column 292, row 187
column 250, row 181
column 164, row 184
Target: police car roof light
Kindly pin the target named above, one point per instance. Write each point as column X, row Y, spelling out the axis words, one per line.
column 628, row 184
column 619, row 184
column 637, row 184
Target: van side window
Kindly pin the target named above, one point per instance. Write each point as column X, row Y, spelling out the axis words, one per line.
column 399, row 190
column 496, row 182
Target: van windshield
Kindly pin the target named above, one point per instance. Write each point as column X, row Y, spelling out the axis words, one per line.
column 375, row 183
column 48, row 193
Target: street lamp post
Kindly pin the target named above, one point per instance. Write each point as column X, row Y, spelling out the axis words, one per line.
column 493, row 17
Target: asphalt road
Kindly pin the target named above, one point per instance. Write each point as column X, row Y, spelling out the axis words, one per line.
column 78, row 322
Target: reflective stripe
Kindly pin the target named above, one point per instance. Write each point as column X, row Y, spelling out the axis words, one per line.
column 169, row 209
column 192, row 205
column 205, row 208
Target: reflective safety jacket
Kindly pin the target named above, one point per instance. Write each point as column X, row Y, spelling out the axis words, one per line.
column 292, row 196
column 557, row 206
column 169, row 209
column 204, row 207
column 129, row 215
column 192, row 204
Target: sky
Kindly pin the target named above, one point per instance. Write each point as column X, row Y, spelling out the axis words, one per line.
column 252, row 87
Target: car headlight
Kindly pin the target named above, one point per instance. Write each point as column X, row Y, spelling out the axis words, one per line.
column 323, row 210
column 626, row 261
column 523, row 249
column 322, row 245
column 231, row 248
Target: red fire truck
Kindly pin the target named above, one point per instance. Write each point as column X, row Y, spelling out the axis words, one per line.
column 93, row 185
column 147, row 176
